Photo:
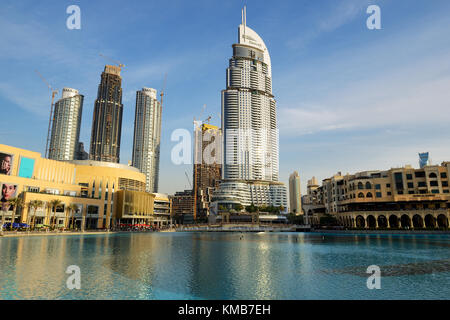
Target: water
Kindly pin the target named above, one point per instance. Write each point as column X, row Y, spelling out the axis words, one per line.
column 225, row 266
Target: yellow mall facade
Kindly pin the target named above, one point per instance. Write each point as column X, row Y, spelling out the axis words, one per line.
column 90, row 194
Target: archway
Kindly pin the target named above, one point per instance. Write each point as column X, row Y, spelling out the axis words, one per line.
column 371, row 222
column 382, row 222
column 393, row 221
column 417, row 221
column 405, row 221
column 442, row 221
column 430, row 221
column 360, row 222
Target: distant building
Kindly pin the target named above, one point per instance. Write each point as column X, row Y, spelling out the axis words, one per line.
column 81, row 154
column 423, row 159
column 396, row 198
column 107, row 119
column 66, row 126
column 207, row 173
column 182, row 203
column 295, row 195
column 147, row 136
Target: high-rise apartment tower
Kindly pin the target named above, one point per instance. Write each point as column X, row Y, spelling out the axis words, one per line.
column 147, row 136
column 66, row 126
column 107, row 120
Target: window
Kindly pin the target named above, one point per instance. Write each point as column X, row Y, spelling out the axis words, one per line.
column 443, row 175
column 360, row 195
column 378, row 194
column 411, row 192
column 398, row 177
column 400, row 192
column 432, row 175
column 410, row 185
column 409, row 176
column 422, row 191
column 369, row 195
column 446, row 191
column 420, row 174
column 360, row 186
column 388, row 185
column 389, row 193
column 434, row 183
column 368, row 185
column 378, row 186
column 434, row 191
column 422, row 184
column 445, row 183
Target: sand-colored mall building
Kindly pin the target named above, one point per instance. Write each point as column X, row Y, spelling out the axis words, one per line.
column 406, row 198
column 105, row 194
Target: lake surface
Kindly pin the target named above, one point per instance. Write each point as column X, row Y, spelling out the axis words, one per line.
column 225, row 266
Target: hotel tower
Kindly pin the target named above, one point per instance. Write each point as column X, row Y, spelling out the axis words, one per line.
column 249, row 122
column 65, row 134
column 107, row 120
column 147, row 136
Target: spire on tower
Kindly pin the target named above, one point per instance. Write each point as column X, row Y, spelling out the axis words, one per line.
column 244, row 18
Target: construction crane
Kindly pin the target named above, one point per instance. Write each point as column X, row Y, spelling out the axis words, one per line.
column 208, row 119
column 163, row 89
column 51, row 118
column 115, row 61
column 196, row 122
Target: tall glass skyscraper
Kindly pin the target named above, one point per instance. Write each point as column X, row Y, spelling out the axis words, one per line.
column 147, row 136
column 65, row 133
column 249, row 122
column 107, row 120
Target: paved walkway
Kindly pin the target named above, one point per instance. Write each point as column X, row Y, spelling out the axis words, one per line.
column 7, row 234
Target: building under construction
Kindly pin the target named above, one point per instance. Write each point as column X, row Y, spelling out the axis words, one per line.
column 107, row 120
column 207, row 167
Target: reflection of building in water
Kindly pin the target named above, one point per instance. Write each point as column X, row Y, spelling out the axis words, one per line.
column 396, row 198
column 93, row 186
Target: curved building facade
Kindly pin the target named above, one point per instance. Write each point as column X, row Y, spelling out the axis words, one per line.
column 66, row 126
column 147, row 136
column 105, row 194
column 249, row 112
column 249, row 123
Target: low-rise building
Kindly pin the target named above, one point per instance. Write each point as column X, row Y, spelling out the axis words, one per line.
column 397, row 198
column 95, row 188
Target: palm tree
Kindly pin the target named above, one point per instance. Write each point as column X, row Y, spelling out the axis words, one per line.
column 15, row 203
column 72, row 208
column 55, row 203
column 3, row 217
column 35, row 204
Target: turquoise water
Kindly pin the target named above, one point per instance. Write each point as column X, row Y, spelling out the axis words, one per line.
column 225, row 266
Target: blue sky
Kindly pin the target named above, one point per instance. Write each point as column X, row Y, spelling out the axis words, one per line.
column 348, row 98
